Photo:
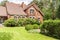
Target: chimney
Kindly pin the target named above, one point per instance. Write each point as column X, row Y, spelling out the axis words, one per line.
column 23, row 5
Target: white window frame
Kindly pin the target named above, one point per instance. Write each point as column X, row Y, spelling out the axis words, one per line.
column 31, row 11
column 32, row 17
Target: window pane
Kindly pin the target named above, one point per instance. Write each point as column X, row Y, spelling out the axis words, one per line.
column 31, row 11
column 15, row 17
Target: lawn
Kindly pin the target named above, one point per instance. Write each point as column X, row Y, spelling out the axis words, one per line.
column 19, row 33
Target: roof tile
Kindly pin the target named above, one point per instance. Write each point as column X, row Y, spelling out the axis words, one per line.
column 14, row 9
column 3, row 11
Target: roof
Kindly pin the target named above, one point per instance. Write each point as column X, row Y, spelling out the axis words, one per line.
column 23, row 5
column 14, row 9
column 3, row 11
column 35, row 6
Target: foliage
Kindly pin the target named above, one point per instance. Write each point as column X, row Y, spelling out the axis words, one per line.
column 5, row 36
column 58, row 13
column 48, row 7
column 35, row 26
column 20, row 22
column 30, row 27
column 39, row 4
column 51, row 28
column 31, row 21
column 26, row 21
column 3, row 2
column 10, row 23
column 48, row 14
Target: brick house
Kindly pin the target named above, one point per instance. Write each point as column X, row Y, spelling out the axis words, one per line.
column 20, row 11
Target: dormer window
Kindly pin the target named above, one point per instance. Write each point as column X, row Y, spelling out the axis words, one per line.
column 31, row 11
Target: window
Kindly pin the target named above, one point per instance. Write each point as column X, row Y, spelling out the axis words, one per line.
column 15, row 17
column 31, row 11
column 32, row 17
column 19, row 16
column 23, row 16
column 38, row 18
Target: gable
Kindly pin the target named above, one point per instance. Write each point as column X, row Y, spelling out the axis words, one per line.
column 36, row 12
column 35, row 6
column 32, row 7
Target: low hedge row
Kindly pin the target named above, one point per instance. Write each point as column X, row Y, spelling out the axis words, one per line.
column 10, row 23
column 20, row 22
column 51, row 28
column 30, row 27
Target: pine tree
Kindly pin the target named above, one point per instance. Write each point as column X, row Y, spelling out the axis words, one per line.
column 58, row 13
column 3, row 2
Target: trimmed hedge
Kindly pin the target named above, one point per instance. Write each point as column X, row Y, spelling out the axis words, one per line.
column 51, row 28
column 35, row 26
column 31, row 21
column 29, row 27
column 20, row 22
column 10, row 23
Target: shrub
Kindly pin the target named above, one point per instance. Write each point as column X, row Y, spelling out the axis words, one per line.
column 21, row 22
column 31, row 21
column 28, row 27
column 26, row 21
column 51, row 28
column 5, row 36
column 10, row 23
column 35, row 26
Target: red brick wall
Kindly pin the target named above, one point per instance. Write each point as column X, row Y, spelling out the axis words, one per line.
column 36, row 13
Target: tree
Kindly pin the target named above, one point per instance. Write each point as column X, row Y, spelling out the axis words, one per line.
column 48, row 7
column 39, row 3
column 47, row 14
column 53, row 8
column 3, row 2
column 58, row 13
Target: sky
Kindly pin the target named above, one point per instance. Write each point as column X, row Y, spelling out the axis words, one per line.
column 19, row 1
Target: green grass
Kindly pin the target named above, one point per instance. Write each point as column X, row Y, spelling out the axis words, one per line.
column 19, row 33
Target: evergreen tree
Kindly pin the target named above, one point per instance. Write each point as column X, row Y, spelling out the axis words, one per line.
column 39, row 3
column 58, row 13
column 3, row 2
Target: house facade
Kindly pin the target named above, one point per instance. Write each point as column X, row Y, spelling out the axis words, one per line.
column 20, row 11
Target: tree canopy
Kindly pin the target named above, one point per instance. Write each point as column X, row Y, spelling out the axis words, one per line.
column 3, row 2
column 48, row 7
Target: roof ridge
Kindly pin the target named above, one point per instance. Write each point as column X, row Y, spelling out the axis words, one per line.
column 35, row 7
column 14, row 9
